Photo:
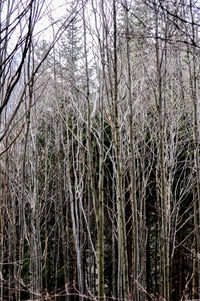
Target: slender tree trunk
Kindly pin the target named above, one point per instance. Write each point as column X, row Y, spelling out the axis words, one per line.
column 123, row 283
column 134, row 205
column 100, row 247
column 164, row 247
column 193, row 89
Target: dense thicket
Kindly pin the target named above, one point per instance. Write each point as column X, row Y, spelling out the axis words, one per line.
column 99, row 154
